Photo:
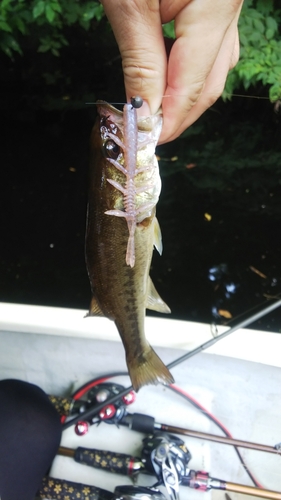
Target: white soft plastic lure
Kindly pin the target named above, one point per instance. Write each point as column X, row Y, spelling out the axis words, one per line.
column 134, row 188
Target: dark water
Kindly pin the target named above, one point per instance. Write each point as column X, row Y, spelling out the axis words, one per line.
column 220, row 219
column 207, row 265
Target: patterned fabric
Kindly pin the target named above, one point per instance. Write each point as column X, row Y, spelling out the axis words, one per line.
column 59, row 489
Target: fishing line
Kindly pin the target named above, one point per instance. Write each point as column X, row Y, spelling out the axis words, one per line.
column 91, row 412
column 226, row 94
column 135, row 101
column 185, row 95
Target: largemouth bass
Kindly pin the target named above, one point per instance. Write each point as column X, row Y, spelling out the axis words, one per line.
column 121, row 231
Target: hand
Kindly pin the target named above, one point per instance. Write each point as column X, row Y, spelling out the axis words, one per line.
column 192, row 78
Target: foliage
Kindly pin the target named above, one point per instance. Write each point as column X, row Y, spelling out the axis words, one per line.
column 260, row 52
column 45, row 20
column 47, row 26
column 260, row 48
column 169, row 29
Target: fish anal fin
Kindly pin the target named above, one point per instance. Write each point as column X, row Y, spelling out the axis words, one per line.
column 157, row 241
column 94, row 309
column 154, row 301
column 148, row 369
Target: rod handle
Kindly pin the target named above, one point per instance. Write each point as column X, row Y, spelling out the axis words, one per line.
column 118, row 463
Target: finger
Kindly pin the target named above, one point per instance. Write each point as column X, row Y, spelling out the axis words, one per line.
column 213, row 89
column 138, row 31
column 221, row 9
column 192, row 92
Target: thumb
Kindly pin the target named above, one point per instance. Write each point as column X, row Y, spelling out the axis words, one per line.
column 138, row 31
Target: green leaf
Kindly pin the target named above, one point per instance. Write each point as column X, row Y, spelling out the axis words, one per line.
column 99, row 13
column 269, row 34
column 5, row 27
column 20, row 25
column 56, row 7
column 258, row 25
column 275, row 93
column 265, row 6
column 55, row 52
column 271, row 23
column 5, row 4
column 255, row 37
column 50, row 13
column 43, row 48
column 38, row 9
column 169, row 29
column 71, row 17
column 84, row 24
column 9, row 43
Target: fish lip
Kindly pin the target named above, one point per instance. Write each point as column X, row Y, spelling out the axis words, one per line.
column 106, row 109
column 145, row 123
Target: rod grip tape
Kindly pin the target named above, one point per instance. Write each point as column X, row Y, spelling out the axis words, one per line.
column 54, row 489
column 62, row 405
column 107, row 460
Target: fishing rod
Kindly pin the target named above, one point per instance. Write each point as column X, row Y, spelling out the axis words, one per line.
column 54, row 488
column 93, row 411
column 166, row 457
column 241, row 324
column 146, row 424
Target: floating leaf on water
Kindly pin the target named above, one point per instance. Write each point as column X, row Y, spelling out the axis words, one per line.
column 224, row 313
column 259, row 273
column 174, row 158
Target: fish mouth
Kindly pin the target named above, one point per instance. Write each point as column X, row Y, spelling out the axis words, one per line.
column 145, row 123
column 110, row 112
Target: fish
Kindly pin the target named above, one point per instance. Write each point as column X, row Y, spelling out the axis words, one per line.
column 121, row 231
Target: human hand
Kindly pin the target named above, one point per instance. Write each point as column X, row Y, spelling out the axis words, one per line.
column 192, row 78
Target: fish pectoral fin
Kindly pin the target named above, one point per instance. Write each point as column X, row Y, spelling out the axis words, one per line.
column 154, row 300
column 95, row 309
column 157, row 241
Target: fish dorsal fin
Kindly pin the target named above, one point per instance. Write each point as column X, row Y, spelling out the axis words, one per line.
column 154, row 300
column 157, row 241
column 95, row 309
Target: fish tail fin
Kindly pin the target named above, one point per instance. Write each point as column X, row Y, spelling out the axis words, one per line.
column 148, row 368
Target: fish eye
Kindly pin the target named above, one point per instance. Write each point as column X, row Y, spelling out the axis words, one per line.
column 111, row 149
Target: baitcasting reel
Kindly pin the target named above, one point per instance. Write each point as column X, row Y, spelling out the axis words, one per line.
column 166, row 456
column 137, row 493
column 110, row 414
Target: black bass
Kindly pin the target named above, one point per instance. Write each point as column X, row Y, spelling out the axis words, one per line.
column 121, row 231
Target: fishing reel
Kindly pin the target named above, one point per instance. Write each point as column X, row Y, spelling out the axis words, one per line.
column 137, row 493
column 111, row 413
column 167, row 457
